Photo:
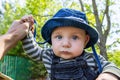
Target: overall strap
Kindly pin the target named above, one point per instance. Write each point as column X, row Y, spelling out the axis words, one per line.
column 55, row 59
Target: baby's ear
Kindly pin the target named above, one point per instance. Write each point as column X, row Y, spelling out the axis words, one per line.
column 87, row 39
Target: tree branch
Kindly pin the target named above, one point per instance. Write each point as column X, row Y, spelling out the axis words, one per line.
column 81, row 4
column 95, row 11
column 108, row 19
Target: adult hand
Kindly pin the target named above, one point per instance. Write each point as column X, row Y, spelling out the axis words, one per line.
column 17, row 31
column 107, row 76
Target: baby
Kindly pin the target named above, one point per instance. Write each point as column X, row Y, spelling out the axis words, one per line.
column 69, row 34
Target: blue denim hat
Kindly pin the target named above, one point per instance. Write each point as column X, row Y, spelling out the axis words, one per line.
column 69, row 17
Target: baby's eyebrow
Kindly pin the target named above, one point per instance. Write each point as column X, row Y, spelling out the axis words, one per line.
column 76, row 33
column 58, row 32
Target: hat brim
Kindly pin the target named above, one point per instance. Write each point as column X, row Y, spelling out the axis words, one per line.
column 53, row 23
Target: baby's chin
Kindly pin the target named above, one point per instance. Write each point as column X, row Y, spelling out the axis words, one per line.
column 66, row 57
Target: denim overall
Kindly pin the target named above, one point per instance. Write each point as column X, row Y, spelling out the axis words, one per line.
column 73, row 70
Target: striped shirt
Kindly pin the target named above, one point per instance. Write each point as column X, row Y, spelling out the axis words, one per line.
column 35, row 52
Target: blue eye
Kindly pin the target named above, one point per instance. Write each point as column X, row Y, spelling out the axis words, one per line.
column 59, row 37
column 75, row 37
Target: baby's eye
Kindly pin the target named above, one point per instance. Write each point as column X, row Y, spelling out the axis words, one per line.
column 74, row 37
column 59, row 37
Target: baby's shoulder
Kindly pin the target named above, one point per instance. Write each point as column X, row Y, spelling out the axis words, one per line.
column 88, row 55
column 47, row 52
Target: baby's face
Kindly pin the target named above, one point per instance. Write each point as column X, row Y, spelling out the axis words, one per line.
column 68, row 42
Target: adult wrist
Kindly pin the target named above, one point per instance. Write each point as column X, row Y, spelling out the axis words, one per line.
column 7, row 41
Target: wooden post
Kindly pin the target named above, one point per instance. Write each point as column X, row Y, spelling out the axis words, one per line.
column 4, row 77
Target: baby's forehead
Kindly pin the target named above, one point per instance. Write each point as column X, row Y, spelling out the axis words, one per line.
column 65, row 29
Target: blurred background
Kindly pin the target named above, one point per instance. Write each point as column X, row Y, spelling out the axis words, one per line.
column 103, row 15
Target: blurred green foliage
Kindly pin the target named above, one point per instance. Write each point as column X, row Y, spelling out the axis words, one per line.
column 38, row 70
column 114, row 57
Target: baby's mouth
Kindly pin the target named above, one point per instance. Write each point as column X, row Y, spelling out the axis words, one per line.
column 65, row 52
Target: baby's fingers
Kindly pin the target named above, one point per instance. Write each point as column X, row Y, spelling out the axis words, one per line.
column 27, row 18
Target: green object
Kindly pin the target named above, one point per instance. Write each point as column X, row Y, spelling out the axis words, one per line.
column 15, row 67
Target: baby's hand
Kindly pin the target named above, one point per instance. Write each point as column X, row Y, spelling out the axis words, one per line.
column 107, row 76
column 30, row 20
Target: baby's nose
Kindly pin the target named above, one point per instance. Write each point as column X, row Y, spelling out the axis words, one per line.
column 66, row 43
